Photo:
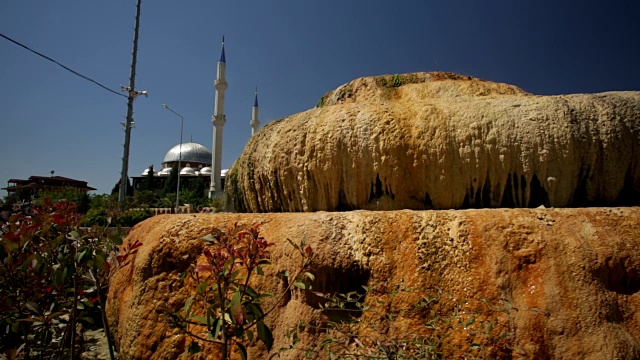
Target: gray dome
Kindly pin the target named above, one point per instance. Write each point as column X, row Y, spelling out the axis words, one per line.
column 187, row 171
column 191, row 152
column 205, row 170
column 145, row 172
column 164, row 172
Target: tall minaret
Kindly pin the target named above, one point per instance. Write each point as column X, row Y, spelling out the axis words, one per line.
column 255, row 123
column 218, row 119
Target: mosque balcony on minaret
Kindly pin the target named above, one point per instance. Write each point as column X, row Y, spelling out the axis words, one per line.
column 219, row 120
column 220, row 85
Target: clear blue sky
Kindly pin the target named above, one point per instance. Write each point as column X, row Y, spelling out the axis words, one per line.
column 293, row 50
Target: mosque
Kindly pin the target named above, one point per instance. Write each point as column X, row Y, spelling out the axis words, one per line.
column 200, row 168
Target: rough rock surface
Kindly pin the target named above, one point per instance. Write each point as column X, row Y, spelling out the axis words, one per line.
column 443, row 141
column 577, row 271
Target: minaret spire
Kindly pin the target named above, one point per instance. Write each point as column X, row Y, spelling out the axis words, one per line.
column 222, row 57
column 218, row 119
column 255, row 123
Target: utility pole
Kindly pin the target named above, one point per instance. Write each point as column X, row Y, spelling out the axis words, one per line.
column 124, row 180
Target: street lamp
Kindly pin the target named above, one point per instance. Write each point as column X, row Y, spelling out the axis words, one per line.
column 179, row 156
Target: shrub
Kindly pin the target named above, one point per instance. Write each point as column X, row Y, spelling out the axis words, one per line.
column 53, row 276
column 356, row 329
column 95, row 216
column 131, row 217
column 225, row 304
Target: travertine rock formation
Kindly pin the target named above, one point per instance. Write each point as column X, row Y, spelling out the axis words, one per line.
column 574, row 275
column 443, row 141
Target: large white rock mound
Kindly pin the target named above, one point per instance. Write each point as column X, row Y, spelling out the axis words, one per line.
column 443, row 141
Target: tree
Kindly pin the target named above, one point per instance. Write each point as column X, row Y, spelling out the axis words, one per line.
column 145, row 198
column 116, row 188
column 84, row 203
column 148, row 183
column 201, row 188
column 171, row 185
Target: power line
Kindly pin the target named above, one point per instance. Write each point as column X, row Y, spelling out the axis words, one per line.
column 64, row 67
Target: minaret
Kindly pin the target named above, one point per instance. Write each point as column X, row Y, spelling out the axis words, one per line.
column 218, row 119
column 255, row 123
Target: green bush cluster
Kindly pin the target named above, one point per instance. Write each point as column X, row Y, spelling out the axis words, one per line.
column 131, row 217
column 54, row 277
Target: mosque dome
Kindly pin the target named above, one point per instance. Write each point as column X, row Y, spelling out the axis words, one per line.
column 205, row 171
column 165, row 172
column 191, row 152
column 145, row 172
column 187, row 171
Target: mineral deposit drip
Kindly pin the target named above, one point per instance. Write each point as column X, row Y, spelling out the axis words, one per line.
column 443, row 141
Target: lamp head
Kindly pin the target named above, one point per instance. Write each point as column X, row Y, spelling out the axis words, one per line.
column 165, row 106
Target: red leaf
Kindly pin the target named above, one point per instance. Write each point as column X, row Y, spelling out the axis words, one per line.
column 205, row 268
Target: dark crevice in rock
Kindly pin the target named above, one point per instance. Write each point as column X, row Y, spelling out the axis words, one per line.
column 617, row 277
column 477, row 199
column 538, row 195
column 337, row 280
column 523, row 189
column 630, row 194
column 507, row 195
column 465, row 203
column 486, row 193
column 428, row 204
column 343, row 204
column 379, row 192
column 580, row 195
column 376, row 189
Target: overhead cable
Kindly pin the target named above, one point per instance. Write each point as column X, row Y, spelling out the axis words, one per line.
column 64, row 67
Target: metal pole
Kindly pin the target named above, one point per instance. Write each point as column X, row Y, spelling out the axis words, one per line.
column 124, row 180
column 179, row 156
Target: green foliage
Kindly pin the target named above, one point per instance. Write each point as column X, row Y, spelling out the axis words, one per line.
column 225, row 303
column 95, row 216
column 145, row 198
column 167, row 201
column 345, row 92
column 397, row 80
column 357, row 329
column 323, row 99
column 53, row 276
column 84, row 203
column 217, row 203
column 197, row 196
column 148, row 180
column 101, row 201
column 171, row 185
column 131, row 217
column 201, row 190
column 116, row 189
column 63, row 193
column 235, row 193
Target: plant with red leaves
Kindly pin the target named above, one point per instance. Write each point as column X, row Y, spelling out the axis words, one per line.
column 50, row 268
column 225, row 302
